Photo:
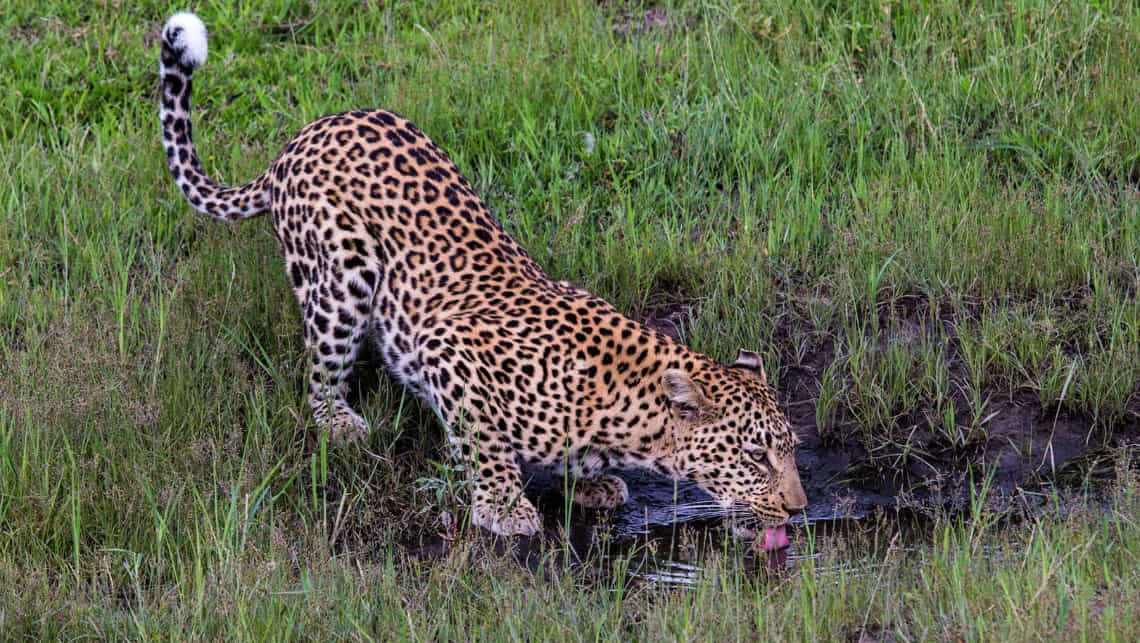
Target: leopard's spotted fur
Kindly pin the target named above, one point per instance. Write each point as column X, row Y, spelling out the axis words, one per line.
column 383, row 237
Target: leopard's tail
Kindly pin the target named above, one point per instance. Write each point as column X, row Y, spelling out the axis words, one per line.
column 183, row 49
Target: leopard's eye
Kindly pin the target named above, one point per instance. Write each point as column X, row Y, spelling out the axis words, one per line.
column 757, row 460
column 758, row 454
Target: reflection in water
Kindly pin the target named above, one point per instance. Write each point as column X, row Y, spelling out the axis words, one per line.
column 667, row 527
column 665, row 531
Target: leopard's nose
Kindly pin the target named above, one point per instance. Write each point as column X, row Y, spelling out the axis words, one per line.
column 792, row 493
column 794, row 509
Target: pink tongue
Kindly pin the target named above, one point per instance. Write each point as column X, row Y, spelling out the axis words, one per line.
column 775, row 538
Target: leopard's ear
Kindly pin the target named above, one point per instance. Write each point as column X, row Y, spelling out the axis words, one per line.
column 749, row 360
column 685, row 396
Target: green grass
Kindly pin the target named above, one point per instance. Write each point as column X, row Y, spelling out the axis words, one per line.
column 942, row 199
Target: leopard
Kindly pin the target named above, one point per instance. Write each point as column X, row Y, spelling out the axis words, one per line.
column 384, row 240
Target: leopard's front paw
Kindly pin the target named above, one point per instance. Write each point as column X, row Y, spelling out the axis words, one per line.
column 517, row 518
column 600, row 492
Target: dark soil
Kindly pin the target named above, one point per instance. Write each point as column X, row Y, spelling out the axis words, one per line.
column 669, row 314
column 633, row 23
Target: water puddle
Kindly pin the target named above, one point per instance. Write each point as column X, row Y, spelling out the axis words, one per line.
column 668, row 530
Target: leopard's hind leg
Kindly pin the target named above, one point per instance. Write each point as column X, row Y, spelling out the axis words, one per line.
column 337, row 319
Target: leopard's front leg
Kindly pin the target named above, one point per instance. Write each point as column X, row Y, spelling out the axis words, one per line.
column 602, row 491
column 498, row 503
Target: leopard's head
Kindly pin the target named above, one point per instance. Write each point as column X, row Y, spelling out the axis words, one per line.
column 732, row 440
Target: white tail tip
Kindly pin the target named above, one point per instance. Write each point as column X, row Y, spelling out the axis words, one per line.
column 185, row 34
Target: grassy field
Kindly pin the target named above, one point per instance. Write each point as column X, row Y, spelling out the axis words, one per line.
column 927, row 212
